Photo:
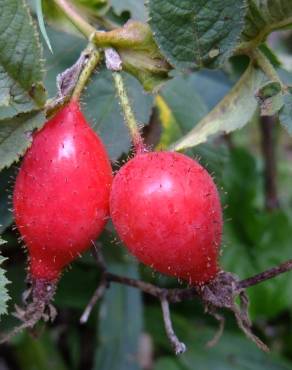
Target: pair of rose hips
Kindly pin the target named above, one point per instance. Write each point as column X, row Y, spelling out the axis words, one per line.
column 164, row 205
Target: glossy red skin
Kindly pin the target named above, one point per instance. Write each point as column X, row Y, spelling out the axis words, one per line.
column 61, row 195
column 166, row 209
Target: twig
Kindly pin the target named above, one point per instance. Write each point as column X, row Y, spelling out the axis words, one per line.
column 141, row 285
column 99, row 292
column 220, row 330
column 219, row 293
column 267, row 126
column 263, row 276
column 104, row 283
column 18, row 329
column 245, row 326
column 179, row 347
column 178, row 295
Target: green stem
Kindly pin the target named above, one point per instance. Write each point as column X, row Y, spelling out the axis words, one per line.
column 246, row 46
column 99, row 38
column 132, row 35
column 266, row 66
column 84, row 27
column 128, row 113
column 93, row 60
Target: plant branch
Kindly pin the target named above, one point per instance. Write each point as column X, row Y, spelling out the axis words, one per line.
column 148, row 288
column 134, row 34
column 246, row 46
column 267, row 126
column 72, row 14
column 178, row 346
column 265, row 275
column 219, row 293
column 178, row 295
column 99, row 292
column 100, row 38
column 101, row 288
column 266, row 66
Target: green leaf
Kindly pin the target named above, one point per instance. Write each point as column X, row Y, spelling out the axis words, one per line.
column 135, row 7
column 181, row 105
column 6, row 185
column 238, row 243
column 270, row 98
column 168, row 363
column 140, row 55
column 71, row 292
column 40, row 16
column 21, row 69
column 15, row 136
column 104, row 112
column 40, row 353
column 185, row 103
column 120, row 325
column 152, row 72
column 264, row 17
column 270, row 55
column 4, row 297
column 212, row 86
column 233, row 112
column 269, row 230
column 233, row 351
column 285, row 115
column 196, row 32
column 252, row 235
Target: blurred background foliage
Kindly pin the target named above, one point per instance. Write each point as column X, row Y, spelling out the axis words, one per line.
column 125, row 330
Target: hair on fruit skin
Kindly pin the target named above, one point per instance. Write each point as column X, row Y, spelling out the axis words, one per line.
column 167, row 211
column 60, row 200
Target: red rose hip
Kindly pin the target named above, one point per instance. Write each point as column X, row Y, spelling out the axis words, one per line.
column 61, row 195
column 166, row 209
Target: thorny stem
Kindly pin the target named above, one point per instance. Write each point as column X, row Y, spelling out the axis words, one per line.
column 267, row 126
column 114, row 63
column 128, row 113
